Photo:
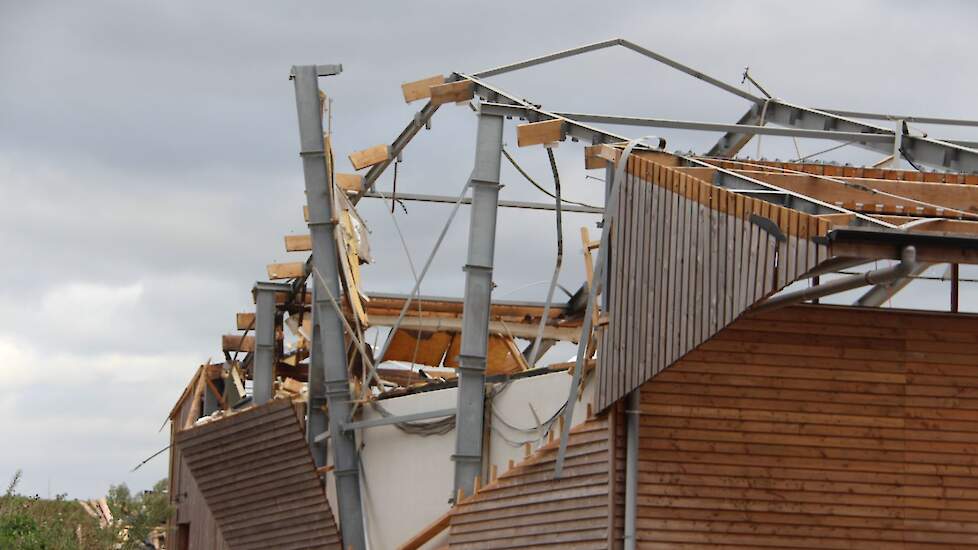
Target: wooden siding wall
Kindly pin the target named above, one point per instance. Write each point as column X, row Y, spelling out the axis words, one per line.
column 816, row 427
column 188, row 503
column 527, row 508
column 687, row 259
column 258, row 478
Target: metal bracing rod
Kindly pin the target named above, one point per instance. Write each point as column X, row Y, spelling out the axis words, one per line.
column 908, row 261
column 921, row 150
column 322, row 221
column 388, row 420
column 264, row 365
column 907, row 118
column 475, row 313
column 502, row 204
column 626, row 44
column 879, row 294
column 722, row 127
column 832, row 265
column 547, row 58
column 633, row 411
column 421, row 119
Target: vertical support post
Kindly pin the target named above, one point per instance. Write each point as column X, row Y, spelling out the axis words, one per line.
column 632, row 411
column 609, row 177
column 263, row 376
column 316, row 419
column 326, row 283
column 475, row 313
column 955, row 287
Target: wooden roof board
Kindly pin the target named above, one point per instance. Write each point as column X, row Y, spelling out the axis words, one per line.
column 237, row 462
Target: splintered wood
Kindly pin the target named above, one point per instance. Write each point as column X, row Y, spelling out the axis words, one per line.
column 540, row 133
column 420, row 89
column 369, row 157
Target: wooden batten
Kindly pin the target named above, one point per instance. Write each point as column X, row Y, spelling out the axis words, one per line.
column 298, row 243
column 245, row 321
column 453, row 92
column 596, row 156
column 420, row 89
column 305, row 213
column 370, row 156
column 540, row 133
column 237, row 342
column 290, row 270
column 350, row 183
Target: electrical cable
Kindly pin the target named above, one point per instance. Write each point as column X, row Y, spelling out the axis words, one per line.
column 537, row 185
column 532, row 359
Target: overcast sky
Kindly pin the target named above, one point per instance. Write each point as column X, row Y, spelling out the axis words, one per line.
column 149, row 167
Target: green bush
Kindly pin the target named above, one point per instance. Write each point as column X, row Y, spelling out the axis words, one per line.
column 32, row 523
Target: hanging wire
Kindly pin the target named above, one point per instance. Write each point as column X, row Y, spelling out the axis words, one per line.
column 537, row 185
column 532, row 359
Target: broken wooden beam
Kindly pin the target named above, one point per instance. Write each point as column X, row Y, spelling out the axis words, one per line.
column 370, row 156
column 420, row 89
column 245, row 321
column 453, row 92
column 350, row 183
column 298, row 243
column 237, row 342
column 290, row 270
column 540, row 133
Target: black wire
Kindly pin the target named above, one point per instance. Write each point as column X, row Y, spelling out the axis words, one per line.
column 535, row 184
column 909, row 159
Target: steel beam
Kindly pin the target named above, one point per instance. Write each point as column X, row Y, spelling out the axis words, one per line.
column 263, row 376
column 733, row 141
column 502, row 204
column 317, row 421
column 322, row 222
column 388, row 420
column 721, row 127
column 475, row 313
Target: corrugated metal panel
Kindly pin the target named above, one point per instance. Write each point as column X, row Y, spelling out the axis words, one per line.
column 527, row 508
column 258, row 479
column 816, row 427
column 687, row 259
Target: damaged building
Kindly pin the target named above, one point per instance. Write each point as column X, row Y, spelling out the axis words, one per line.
column 712, row 400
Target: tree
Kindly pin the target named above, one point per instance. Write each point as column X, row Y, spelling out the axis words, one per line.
column 139, row 515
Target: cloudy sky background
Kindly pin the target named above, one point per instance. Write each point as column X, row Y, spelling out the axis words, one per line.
column 149, row 168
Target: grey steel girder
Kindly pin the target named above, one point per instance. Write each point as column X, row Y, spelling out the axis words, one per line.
column 477, row 298
column 316, row 169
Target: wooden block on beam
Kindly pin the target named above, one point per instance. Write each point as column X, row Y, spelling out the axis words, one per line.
column 289, row 270
column 453, row 92
column 591, row 160
column 350, row 183
column 540, row 133
column 305, row 213
column 369, row 157
column 601, row 153
column 420, row 89
column 298, row 243
column 237, row 342
column 245, row 321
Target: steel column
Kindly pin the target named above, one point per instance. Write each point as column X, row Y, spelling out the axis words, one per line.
column 475, row 312
column 324, row 263
column 263, row 376
column 317, row 421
